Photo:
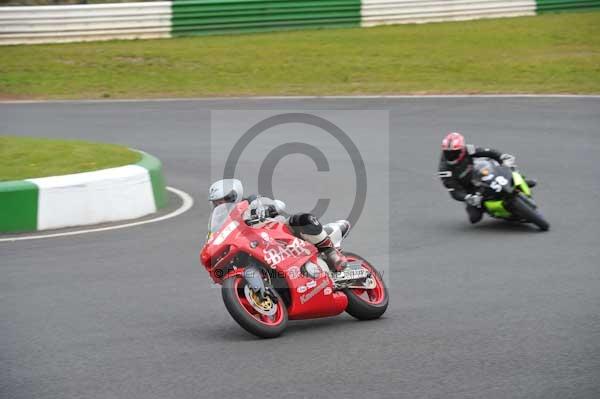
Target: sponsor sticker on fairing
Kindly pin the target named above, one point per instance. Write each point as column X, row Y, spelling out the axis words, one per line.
column 226, row 231
column 309, row 295
column 327, row 291
column 311, row 284
column 275, row 254
column 293, row 272
column 266, row 238
column 301, row 290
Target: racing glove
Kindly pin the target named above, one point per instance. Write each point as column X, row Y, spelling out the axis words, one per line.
column 473, row 200
column 508, row 160
column 262, row 212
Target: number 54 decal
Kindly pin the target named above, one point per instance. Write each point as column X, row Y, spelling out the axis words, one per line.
column 498, row 182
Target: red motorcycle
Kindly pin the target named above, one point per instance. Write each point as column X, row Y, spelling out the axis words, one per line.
column 269, row 276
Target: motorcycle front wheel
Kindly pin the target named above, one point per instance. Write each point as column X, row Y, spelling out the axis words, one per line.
column 522, row 209
column 264, row 317
column 367, row 304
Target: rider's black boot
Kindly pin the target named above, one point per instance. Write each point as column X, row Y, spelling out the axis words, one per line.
column 531, row 182
column 475, row 214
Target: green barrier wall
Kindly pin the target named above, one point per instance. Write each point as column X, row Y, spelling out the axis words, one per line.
column 196, row 17
column 157, row 178
column 566, row 5
column 18, row 206
column 20, row 199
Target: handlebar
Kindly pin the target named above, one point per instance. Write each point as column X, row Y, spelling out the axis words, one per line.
column 272, row 212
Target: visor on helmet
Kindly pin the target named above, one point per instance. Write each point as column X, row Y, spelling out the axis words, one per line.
column 453, row 155
column 231, row 197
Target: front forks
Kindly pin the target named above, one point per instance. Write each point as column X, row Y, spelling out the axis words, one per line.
column 527, row 200
column 253, row 276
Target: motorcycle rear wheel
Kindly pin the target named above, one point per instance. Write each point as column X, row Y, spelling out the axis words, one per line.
column 247, row 315
column 524, row 210
column 367, row 304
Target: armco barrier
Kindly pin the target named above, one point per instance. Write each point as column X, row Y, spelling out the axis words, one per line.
column 108, row 195
column 54, row 24
column 222, row 16
column 378, row 12
column 562, row 5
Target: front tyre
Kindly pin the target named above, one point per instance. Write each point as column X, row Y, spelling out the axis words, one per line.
column 524, row 210
column 263, row 318
column 367, row 304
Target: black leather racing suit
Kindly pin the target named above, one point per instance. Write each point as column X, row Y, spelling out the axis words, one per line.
column 457, row 178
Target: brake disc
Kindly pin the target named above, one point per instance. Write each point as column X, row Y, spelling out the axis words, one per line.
column 263, row 306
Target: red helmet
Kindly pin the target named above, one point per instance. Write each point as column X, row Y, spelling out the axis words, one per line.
column 454, row 148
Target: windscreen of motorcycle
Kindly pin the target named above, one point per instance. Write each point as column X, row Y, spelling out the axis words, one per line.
column 219, row 216
column 483, row 171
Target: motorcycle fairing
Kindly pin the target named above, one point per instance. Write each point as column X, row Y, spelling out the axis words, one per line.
column 521, row 183
column 281, row 255
column 310, row 297
column 496, row 208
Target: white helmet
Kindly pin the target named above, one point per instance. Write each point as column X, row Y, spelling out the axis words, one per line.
column 226, row 190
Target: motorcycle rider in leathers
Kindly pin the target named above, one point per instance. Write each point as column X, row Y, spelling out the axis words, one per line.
column 455, row 170
column 304, row 225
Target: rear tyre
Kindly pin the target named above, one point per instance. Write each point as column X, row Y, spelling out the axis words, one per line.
column 250, row 313
column 367, row 304
column 524, row 210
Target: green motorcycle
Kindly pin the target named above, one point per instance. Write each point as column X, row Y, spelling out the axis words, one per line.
column 505, row 193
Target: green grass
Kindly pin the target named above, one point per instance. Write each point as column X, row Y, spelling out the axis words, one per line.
column 552, row 53
column 28, row 157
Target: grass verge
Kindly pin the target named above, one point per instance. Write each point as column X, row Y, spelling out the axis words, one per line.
column 551, row 53
column 28, row 157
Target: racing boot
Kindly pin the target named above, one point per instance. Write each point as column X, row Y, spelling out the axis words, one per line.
column 475, row 214
column 531, row 182
column 334, row 257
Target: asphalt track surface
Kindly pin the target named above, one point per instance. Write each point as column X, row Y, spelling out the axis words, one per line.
column 485, row 311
